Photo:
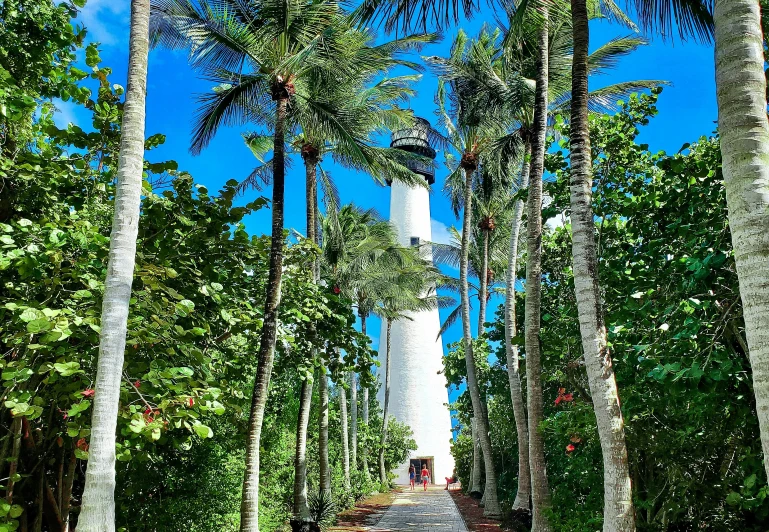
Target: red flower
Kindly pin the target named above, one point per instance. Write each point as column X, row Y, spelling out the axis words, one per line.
column 570, row 448
column 337, row 289
column 137, row 383
column 89, row 392
column 191, row 401
column 563, row 396
column 82, row 444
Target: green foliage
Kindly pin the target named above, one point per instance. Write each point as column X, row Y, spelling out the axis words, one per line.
column 676, row 335
column 322, row 509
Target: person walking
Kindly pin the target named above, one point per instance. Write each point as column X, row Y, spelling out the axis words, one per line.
column 425, row 476
column 412, row 476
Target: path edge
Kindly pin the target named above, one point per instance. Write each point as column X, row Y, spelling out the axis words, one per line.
column 461, row 515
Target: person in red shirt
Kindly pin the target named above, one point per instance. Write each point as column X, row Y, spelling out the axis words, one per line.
column 425, row 476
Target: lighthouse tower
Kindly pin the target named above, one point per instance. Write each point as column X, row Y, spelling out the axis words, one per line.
column 418, row 394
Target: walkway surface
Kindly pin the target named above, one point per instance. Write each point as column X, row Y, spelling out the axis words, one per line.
column 419, row 510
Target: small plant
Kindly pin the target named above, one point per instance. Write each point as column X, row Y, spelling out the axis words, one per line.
column 322, row 509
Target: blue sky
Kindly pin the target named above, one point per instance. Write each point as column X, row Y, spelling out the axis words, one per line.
column 687, row 112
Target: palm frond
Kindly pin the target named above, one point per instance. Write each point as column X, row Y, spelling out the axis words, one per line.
column 229, row 105
column 692, row 18
column 450, row 320
column 403, row 15
column 608, row 55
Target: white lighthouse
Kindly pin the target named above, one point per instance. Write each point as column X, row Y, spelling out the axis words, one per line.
column 418, row 394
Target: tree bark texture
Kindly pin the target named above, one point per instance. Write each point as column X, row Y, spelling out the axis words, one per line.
column 540, row 492
column 742, row 124
column 476, row 474
column 364, row 417
column 618, row 512
column 249, row 508
column 345, row 436
column 492, row 507
column 325, row 470
column 301, row 512
column 353, row 419
column 98, row 508
column 483, row 281
column 511, row 351
column 385, row 411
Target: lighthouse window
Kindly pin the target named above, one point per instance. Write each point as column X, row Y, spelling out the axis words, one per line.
column 414, row 241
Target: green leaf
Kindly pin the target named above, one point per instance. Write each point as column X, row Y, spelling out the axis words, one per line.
column 38, row 326
column 203, row 431
column 77, row 408
column 67, row 368
column 733, row 499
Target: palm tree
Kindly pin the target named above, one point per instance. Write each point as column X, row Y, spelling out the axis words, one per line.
column 98, row 508
column 745, row 146
column 540, row 491
column 473, row 135
column 345, row 435
column 484, row 76
column 259, row 53
column 339, row 117
column 618, row 497
column 352, row 242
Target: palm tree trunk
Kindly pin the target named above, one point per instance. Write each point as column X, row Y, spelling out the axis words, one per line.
column 301, row 512
column 618, row 512
column 325, row 471
column 310, row 157
column 354, row 419
column 540, row 493
column 98, row 508
column 484, row 283
column 385, row 410
column 249, row 508
column 492, row 508
column 742, row 124
column 364, row 416
column 513, row 364
column 345, row 435
column 476, row 475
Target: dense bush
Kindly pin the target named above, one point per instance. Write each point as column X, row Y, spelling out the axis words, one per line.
column 676, row 335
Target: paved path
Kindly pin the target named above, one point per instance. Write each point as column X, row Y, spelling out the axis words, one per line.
column 433, row 510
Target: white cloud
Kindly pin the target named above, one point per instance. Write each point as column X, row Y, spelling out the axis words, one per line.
column 440, row 232
column 559, row 220
column 107, row 21
column 66, row 113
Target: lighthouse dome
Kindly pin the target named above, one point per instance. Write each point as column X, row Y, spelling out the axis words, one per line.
column 416, row 139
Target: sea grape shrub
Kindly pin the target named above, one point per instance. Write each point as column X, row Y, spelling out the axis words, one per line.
column 676, row 336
